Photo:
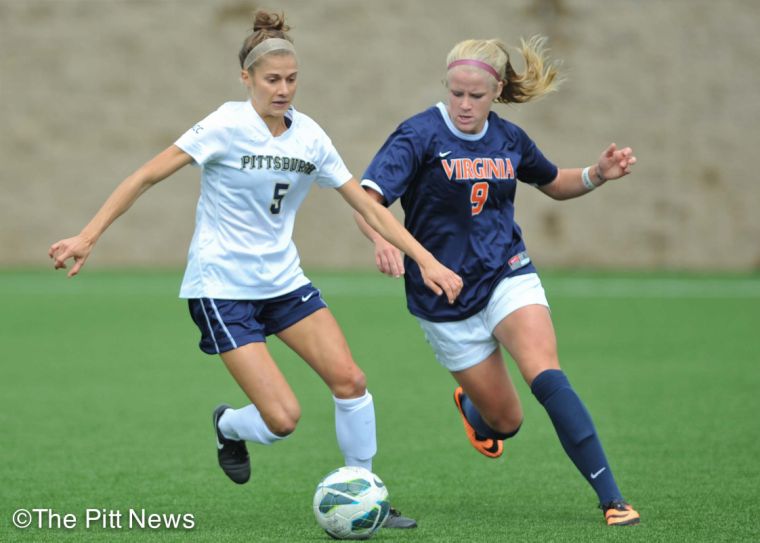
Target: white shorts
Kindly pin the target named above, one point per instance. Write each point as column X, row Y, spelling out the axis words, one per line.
column 459, row 345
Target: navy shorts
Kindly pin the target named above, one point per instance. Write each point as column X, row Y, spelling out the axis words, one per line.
column 229, row 324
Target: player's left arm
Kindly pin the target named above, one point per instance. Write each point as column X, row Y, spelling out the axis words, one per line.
column 436, row 276
column 614, row 163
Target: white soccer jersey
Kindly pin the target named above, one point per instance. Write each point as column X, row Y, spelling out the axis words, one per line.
column 252, row 184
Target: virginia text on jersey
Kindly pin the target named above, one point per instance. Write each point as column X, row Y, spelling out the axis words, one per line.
column 478, row 168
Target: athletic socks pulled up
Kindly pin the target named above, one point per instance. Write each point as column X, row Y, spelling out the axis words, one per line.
column 355, row 430
column 354, row 426
column 576, row 432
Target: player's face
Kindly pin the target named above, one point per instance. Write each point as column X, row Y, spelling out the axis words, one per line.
column 471, row 93
column 272, row 84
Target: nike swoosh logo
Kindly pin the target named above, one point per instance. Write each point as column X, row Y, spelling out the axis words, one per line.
column 494, row 446
column 598, row 473
column 217, row 431
column 444, row 155
column 306, row 298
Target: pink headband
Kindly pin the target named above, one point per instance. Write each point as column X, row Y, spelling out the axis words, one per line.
column 478, row 63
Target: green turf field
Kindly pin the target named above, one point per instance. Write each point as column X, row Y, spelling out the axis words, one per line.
column 106, row 401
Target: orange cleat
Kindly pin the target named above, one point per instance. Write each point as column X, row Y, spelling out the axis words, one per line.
column 619, row 513
column 492, row 448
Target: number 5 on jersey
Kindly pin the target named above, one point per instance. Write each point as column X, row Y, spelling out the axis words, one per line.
column 478, row 197
column 280, row 190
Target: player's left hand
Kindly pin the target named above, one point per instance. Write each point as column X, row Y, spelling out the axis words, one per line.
column 441, row 280
column 615, row 163
column 388, row 259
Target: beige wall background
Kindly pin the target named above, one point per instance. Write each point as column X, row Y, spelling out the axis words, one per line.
column 90, row 89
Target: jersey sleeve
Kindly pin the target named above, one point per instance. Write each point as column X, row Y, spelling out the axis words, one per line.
column 331, row 170
column 534, row 167
column 207, row 140
column 395, row 164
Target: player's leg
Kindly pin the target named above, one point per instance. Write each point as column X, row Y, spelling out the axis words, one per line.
column 488, row 403
column 486, row 400
column 318, row 339
column 274, row 411
column 272, row 415
column 528, row 335
column 302, row 321
column 228, row 328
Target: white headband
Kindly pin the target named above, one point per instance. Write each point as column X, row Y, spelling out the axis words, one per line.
column 267, row 46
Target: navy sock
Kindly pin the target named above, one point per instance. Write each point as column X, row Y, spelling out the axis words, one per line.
column 477, row 422
column 576, row 432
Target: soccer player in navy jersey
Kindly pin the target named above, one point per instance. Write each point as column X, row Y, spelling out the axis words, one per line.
column 455, row 167
column 243, row 281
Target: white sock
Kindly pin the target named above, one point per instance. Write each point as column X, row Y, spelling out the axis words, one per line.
column 246, row 423
column 355, row 428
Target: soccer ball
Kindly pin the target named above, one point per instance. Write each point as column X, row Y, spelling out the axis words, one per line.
column 351, row 503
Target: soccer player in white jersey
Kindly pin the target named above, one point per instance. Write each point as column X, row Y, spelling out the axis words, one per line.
column 243, row 280
column 455, row 168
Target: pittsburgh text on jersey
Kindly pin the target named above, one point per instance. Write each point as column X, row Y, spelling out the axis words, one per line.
column 282, row 163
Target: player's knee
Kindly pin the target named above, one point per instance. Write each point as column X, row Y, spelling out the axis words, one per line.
column 283, row 427
column 283, row 422
column 351, row 384
column 504, row 417
column 512, row 432
column 508, row 423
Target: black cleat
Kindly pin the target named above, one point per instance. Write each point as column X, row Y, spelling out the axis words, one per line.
column 396, row 520
column 233, row 455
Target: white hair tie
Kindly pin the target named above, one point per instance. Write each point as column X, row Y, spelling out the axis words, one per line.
column 267, row 46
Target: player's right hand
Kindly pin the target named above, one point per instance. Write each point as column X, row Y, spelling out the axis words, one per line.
column 77, row 248
column 388, row 259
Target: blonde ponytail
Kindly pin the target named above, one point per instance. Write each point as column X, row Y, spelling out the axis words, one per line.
column 540, row 77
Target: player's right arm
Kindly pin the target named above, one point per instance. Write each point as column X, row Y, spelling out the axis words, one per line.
column 397, row 162
column 121, row 199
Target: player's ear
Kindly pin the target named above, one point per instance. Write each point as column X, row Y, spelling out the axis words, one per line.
column 245, row 79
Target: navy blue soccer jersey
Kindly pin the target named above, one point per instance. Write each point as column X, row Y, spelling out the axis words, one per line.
column 458, row 191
